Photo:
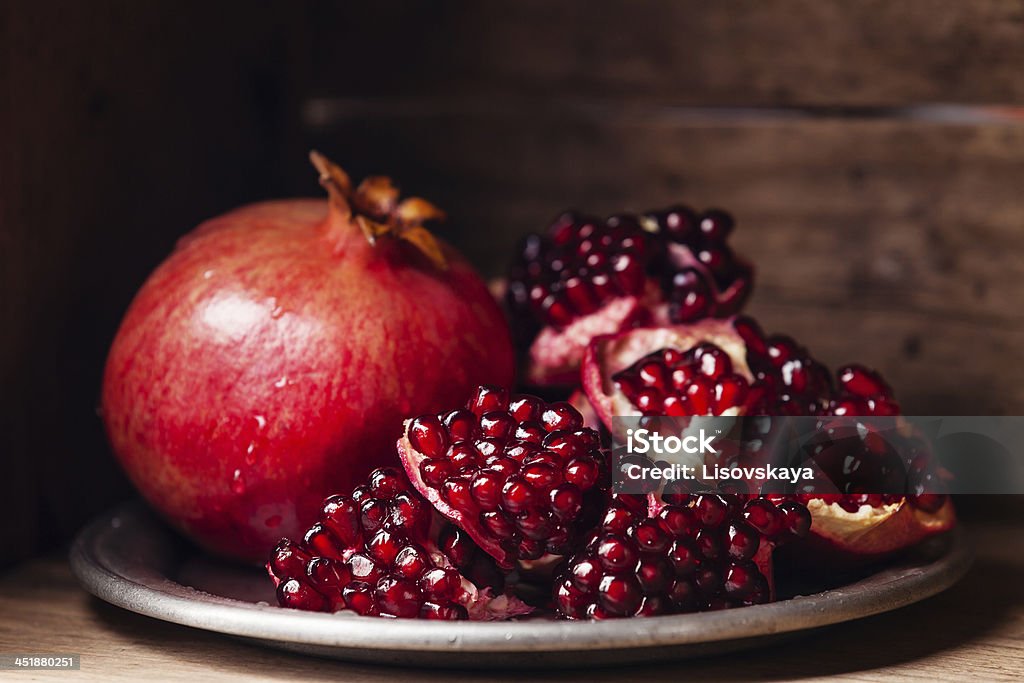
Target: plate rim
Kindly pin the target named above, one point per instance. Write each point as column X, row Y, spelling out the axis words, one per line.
column 149, row 591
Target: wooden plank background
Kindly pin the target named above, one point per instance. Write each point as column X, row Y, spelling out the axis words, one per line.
column 873, row 153
column 827, row 53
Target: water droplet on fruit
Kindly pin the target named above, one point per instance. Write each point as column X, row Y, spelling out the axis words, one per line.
column 250, row 453
column 207, row 274
column 261, row 421
column 238, row 484
column 281, row 383
column 276, row 310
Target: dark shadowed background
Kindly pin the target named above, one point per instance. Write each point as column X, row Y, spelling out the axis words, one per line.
column 872, row 153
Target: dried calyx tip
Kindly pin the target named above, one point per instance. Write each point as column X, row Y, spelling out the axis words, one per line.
column 375, row 208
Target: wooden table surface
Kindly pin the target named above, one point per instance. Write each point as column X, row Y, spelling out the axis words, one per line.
column 973, row 631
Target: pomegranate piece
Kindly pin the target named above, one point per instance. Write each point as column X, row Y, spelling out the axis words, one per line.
column 383, row 551
column 586, row 277
column 712, row 552
column 517, row 474
column 877, row 496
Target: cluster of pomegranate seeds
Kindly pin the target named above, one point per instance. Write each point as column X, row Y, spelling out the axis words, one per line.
column 515, row 472
column 862, row 392
column 705, row 237
column 672, row 255
column 695, row 554
column 793, row 382
column 786, row 381
column 697, row 381
column 372, row 553
column 581, row 263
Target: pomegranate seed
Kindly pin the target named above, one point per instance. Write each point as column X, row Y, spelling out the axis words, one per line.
column 716, row 225
column 526, row 408
column 398, row 597
column 383, row 547
column 711, row 361
column 411, row 563
column 616, row 553
column 797, row 518
column 358, row 596
column 743, row 541
column 486, row 489
column 517, row 494
column 428, row 436
column 328, row 576
column 499, row 525
column 650, row 537
column 620, row 595
column 288, row 560
column 677, row 521
column 497, row 424
column 486, row 399
column 561, row 416
column 321, row 542
column 456, row 492
column 443, row 612
column 339, row 514
column 764, row 516
column 461, row 425
column 434, row 472
column 566, row 501
column 296, row 595
column 531, row 431
column 740, row 580
column 712, row 509
column 859, row 380
column 372, row 514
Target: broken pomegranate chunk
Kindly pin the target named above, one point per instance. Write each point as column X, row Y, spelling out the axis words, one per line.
column 875, row 496
column 706, row 552
column 516, row 473
column 383, row 551
column 587, row 277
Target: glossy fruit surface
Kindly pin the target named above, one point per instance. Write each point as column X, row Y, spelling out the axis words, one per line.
column 271, row 358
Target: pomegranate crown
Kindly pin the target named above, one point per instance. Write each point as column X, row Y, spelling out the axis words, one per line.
column 374, row 206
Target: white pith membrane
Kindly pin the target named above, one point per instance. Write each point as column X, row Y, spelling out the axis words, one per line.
column 555, row 355
column 874, row 531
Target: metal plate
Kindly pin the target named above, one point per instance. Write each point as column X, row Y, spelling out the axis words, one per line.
column 130, row 559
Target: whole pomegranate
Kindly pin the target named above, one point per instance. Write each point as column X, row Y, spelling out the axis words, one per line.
column 271, row 359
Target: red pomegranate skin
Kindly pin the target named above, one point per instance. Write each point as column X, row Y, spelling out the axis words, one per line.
column 271, row 359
